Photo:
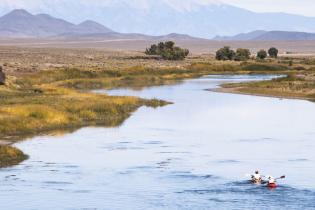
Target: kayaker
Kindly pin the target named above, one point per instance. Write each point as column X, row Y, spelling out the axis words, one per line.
column 256, row 178
column 271, row 180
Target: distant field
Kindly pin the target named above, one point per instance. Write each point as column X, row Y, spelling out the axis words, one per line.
column 195, row 46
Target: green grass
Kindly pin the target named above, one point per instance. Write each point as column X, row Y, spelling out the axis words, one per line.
column 264, row 67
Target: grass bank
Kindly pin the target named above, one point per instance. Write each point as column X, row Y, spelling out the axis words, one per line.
column 297, row 85
column 45, row 101
column 11, row 156
column 56, row 99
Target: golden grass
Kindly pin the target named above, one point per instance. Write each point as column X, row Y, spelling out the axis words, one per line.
column 50, row 111
column 53, row 99
column 11, row 156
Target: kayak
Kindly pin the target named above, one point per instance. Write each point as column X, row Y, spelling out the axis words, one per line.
column 256, row 181
column 272, row 185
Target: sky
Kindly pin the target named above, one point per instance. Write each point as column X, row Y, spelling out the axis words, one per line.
column 302, row 7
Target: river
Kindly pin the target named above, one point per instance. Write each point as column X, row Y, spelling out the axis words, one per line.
column 194, row 154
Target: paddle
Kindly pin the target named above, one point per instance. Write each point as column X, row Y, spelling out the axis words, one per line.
column 281, row 177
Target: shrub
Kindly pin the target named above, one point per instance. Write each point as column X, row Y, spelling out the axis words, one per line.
column 225, row 53
column 153, row 50
column 242, row 54
column 262, row 54
column 168, row 51
column 273, row 52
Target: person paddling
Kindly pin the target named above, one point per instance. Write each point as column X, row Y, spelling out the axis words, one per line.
column 272, row 182
column 256, row 178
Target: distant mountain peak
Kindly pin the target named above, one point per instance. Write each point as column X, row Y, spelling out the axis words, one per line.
column 19, row 12
column 90, row 22
column 94, row 27
column 44, row 15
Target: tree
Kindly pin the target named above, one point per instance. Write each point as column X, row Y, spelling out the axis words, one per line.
column 242, row 54
column 273, row 52
column 262, row 54
column 168, row 51
column 225, row 53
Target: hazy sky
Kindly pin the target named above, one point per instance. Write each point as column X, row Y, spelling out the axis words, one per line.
column 303, row 7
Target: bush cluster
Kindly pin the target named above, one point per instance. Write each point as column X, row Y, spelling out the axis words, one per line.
column 272, row 52
column 168, row 51
column 226, row 53
column 242, row 54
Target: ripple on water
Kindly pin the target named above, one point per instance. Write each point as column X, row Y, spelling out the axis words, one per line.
column 190, row 176
column 153, row 142
column 228, row 161
column 82, row 191
column 121, row 146
column 57, row 183
column 299, row 160
column 260, row 140
column 244, row 193
column 172, row 152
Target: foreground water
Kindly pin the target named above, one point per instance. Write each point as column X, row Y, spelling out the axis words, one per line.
column 194, row 154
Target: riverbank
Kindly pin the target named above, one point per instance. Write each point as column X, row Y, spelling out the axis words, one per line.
column 156, row 151
column 39, row 102
column 35, row 101
column 298, row 85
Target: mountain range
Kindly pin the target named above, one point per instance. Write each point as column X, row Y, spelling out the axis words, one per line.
column 268, row 36
column 158, row 17
column 20, row 23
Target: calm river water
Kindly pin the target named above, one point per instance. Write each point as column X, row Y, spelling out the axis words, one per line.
column 194, row 154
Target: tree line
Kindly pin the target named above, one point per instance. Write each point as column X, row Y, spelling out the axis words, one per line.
column 242, row 54
column 168, row 51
